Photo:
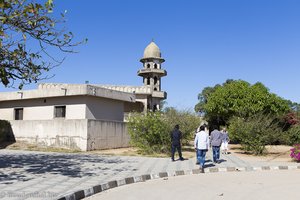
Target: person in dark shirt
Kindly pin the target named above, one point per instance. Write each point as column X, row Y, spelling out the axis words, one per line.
column 176, row 137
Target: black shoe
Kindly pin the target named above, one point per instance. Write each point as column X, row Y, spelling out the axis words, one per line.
column 173, row 160
column 201, row 170
column 182, row 159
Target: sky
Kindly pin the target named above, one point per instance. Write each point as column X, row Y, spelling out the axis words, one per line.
column 203, row 42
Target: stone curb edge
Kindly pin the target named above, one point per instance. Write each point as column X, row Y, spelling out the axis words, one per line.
column 116, row 183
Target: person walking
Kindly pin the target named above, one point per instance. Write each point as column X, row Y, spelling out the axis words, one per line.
column 215, row 142
column 176, row 137
column 201, row 145
column 225, row 141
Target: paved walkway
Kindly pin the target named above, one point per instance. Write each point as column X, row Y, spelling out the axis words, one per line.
column 36, row 175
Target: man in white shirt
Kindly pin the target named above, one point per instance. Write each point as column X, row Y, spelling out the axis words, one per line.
column 201, row 145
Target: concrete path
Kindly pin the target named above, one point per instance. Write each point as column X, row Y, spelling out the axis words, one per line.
column 36, row 175
column 263, row 185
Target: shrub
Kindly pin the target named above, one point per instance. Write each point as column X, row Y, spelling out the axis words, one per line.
column 254, row 132
column 187, row 120
column 5, row 128
column 150, row 132
column 295, row 152
column 292, row 136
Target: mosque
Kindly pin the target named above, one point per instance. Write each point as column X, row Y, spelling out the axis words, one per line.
column 83, row 116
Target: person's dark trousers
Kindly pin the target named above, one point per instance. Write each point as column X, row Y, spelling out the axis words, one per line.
column 201, row 157
column 216, row 153
column 178, row 147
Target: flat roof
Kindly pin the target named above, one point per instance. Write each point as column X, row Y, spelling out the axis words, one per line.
column 46, row 90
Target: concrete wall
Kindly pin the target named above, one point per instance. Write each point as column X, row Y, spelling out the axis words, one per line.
column 107, row 135
column 58, row 133
column 83, row 134
column 104, row 109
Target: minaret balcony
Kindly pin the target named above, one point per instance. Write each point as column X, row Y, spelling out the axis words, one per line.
column 159, row 72
column 159, row 94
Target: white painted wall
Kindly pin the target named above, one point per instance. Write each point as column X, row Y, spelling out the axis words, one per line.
column 6, row 113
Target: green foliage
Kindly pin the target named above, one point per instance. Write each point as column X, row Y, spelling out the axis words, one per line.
column 23, row 21
column 254, row 132
column 292, row 136
column 4, row 130
column 150, row 132
column 240, row 98
column 187, row 120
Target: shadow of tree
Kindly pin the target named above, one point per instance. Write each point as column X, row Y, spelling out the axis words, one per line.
column 23, row 167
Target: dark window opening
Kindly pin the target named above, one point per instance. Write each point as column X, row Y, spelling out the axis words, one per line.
column 60, row 111
column 155, row 89
column 18, row 113
column 155, row 80
column 155, row 66
column 148, row 81
column 148, row 65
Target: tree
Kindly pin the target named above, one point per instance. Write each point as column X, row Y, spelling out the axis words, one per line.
column 27, row 31
column 240, row 98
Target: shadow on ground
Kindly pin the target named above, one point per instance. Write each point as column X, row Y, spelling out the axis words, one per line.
column 23, row 167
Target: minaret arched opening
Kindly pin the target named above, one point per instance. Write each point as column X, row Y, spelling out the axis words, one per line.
column 155, row 80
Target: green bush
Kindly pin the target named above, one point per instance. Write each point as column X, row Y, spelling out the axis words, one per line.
column 187, row 121
column 292, row 135
column 5, row 128
column 150, row 132
column 254, row 132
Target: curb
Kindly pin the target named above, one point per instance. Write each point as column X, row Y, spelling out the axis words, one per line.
column 117, row 183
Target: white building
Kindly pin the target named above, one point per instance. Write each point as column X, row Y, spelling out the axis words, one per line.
column 83, row 116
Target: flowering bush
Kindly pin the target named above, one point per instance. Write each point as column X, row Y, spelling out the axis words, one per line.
column 295, row 152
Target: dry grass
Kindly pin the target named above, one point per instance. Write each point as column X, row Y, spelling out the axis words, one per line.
column 22, row 145
column 274, row 153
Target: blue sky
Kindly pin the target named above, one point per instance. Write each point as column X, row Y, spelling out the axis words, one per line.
column 203, row 42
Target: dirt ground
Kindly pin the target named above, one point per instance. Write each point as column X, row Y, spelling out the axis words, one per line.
column 274, row 153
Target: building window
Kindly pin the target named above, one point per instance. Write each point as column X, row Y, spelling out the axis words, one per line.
column 148, row 65
column 18, row 113
column 155, row 66
column 60, row 111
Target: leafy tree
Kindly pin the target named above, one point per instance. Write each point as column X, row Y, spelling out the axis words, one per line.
column 240, row 98
column 27, row 31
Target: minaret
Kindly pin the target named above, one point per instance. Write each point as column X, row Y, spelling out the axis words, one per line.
column 152, row 73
